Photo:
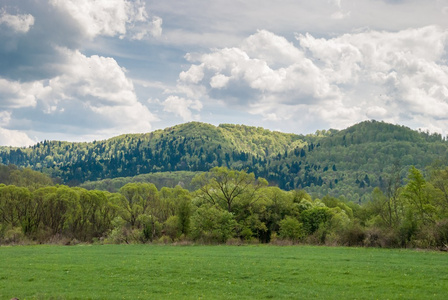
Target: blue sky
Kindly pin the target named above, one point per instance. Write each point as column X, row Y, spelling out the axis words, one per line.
column 83, row 70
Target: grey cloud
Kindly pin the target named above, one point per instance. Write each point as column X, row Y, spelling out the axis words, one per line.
column 34, row 55
column 222, row 23
column 70, row 117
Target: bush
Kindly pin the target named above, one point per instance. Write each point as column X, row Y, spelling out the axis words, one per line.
column 234, row 242
column 13, row 235
column 319, row 237
column 246, row 234
column 353, row 235
column 441, row 234
column 212, row 225
column 384, row 238
column 164, row 240
column 314, row 218
column 292, row 229
column 172, row 227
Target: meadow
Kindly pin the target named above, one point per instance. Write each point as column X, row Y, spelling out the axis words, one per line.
column 220, row 272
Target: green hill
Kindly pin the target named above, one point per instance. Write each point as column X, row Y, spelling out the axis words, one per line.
column 348, row 162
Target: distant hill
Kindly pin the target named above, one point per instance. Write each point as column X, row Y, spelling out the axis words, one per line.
column 160, row 180
column 348, row 162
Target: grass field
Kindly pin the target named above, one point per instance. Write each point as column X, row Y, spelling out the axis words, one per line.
column 220, row 272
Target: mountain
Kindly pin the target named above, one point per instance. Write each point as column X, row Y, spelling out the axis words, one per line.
column 349, row 162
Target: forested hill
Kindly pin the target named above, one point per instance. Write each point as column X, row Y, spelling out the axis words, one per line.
column 349, row 162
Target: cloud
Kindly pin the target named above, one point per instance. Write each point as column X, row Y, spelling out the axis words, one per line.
column 101, row 86
column 340, row 13
column 81, row 69
column 14, row 94
column 49, row 86
column 228, row 22
column 394, row 76
column 278, row 68
column 14, row 138
column 194, row 75
column 9, row 137
column 111, row 17
column 5, row 117
column 182, row 107
column 98, row 80
column 19, row 23
column 153, row 28
column 97, row 77
column 277, row 51
column 92, row 95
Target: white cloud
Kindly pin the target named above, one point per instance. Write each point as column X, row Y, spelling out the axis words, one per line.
column 94, row 88
column 112, row 17
column 14, row 94
column 193, row 75
column 394, row 76
column 219, row 81
column 14, row 138
column 19, row 23
column 96, row 76
column 275, row 50
column 182, row 107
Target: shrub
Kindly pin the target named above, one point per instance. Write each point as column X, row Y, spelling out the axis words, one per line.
column 13, row 235
column 353, row 235
column 164, row 240
column 292, row 229
column 377, row 237
column 314, row 218
column 212, row 225
column 441, row 233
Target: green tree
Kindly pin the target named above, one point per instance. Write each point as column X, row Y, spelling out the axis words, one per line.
column 16, row 208
column 30, row 179
column 222, row 187
column 97, row 213
column 439, row 179
column 390, row 210
column 138, row 199
column 183, row 209
column 57, row 208
column 418, row 198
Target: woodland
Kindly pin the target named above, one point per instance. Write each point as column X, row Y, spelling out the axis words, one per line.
column 373, row 184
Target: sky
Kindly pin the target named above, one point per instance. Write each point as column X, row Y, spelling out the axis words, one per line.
column 84, row 70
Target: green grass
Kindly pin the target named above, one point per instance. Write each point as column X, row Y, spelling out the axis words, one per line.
column 220, row 272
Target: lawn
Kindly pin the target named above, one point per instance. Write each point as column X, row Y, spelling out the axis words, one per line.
column 220, row 272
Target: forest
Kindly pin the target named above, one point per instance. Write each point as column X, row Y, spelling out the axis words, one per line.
column 349, row 163
column 227, row 206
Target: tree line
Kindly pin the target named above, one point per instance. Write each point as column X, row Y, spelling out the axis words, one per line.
column 228, row 206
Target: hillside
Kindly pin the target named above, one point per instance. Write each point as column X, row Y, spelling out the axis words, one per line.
column 348, row 162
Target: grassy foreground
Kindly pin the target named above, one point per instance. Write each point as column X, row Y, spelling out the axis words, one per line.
column 220, row 272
